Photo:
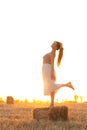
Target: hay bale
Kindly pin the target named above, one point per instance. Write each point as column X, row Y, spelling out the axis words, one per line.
column 40, row 113
column 64, row 113
column 10, row 100
column 58, row 113
column 54, row 113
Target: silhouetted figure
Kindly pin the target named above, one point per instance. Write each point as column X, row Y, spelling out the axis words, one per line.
column 49, row 74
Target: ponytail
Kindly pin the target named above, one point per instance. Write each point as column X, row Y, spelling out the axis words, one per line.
column 60, row 56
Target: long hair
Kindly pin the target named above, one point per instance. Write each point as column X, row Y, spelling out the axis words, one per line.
column 60, row 55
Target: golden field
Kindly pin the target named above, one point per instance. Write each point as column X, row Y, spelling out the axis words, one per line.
column 20, row 117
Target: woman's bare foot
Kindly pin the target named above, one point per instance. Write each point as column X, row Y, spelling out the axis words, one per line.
column 69, row 84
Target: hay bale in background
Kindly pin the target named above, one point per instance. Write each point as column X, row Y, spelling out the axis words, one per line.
column 54, row 113
column 10, row 100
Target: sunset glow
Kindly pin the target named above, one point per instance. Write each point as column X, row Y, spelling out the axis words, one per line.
column 27, row 30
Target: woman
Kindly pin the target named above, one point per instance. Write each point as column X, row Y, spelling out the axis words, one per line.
column 48, row 71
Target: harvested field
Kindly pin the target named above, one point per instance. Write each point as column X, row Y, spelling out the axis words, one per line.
column 20, row 117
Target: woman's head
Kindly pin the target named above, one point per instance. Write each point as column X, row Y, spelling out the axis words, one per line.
column 58, row 46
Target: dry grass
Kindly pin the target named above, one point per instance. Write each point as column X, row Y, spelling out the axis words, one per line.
column 20, row 117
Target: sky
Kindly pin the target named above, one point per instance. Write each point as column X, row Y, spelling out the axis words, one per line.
column 27, row 30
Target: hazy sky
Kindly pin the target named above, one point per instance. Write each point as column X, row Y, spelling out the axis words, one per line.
column 27, row 29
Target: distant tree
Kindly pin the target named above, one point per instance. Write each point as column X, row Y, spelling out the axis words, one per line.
column 17, row 101
column 56, row 100
column 1, row 100
column 34, row 100
column 81, row 99
column 26, row 101
column 76, row 98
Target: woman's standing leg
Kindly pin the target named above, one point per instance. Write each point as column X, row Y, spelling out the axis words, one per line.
column 52, row 96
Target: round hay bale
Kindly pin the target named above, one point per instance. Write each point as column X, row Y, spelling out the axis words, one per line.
column 40, row 113
column 54, row 113
column 64, row 113
column 10, row 100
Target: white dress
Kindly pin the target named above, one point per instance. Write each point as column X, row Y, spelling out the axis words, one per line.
column 49, row 84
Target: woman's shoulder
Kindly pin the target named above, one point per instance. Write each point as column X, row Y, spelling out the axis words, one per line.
column 47, row 54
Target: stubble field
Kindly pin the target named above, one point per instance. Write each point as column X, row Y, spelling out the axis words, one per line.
column 20, row 117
